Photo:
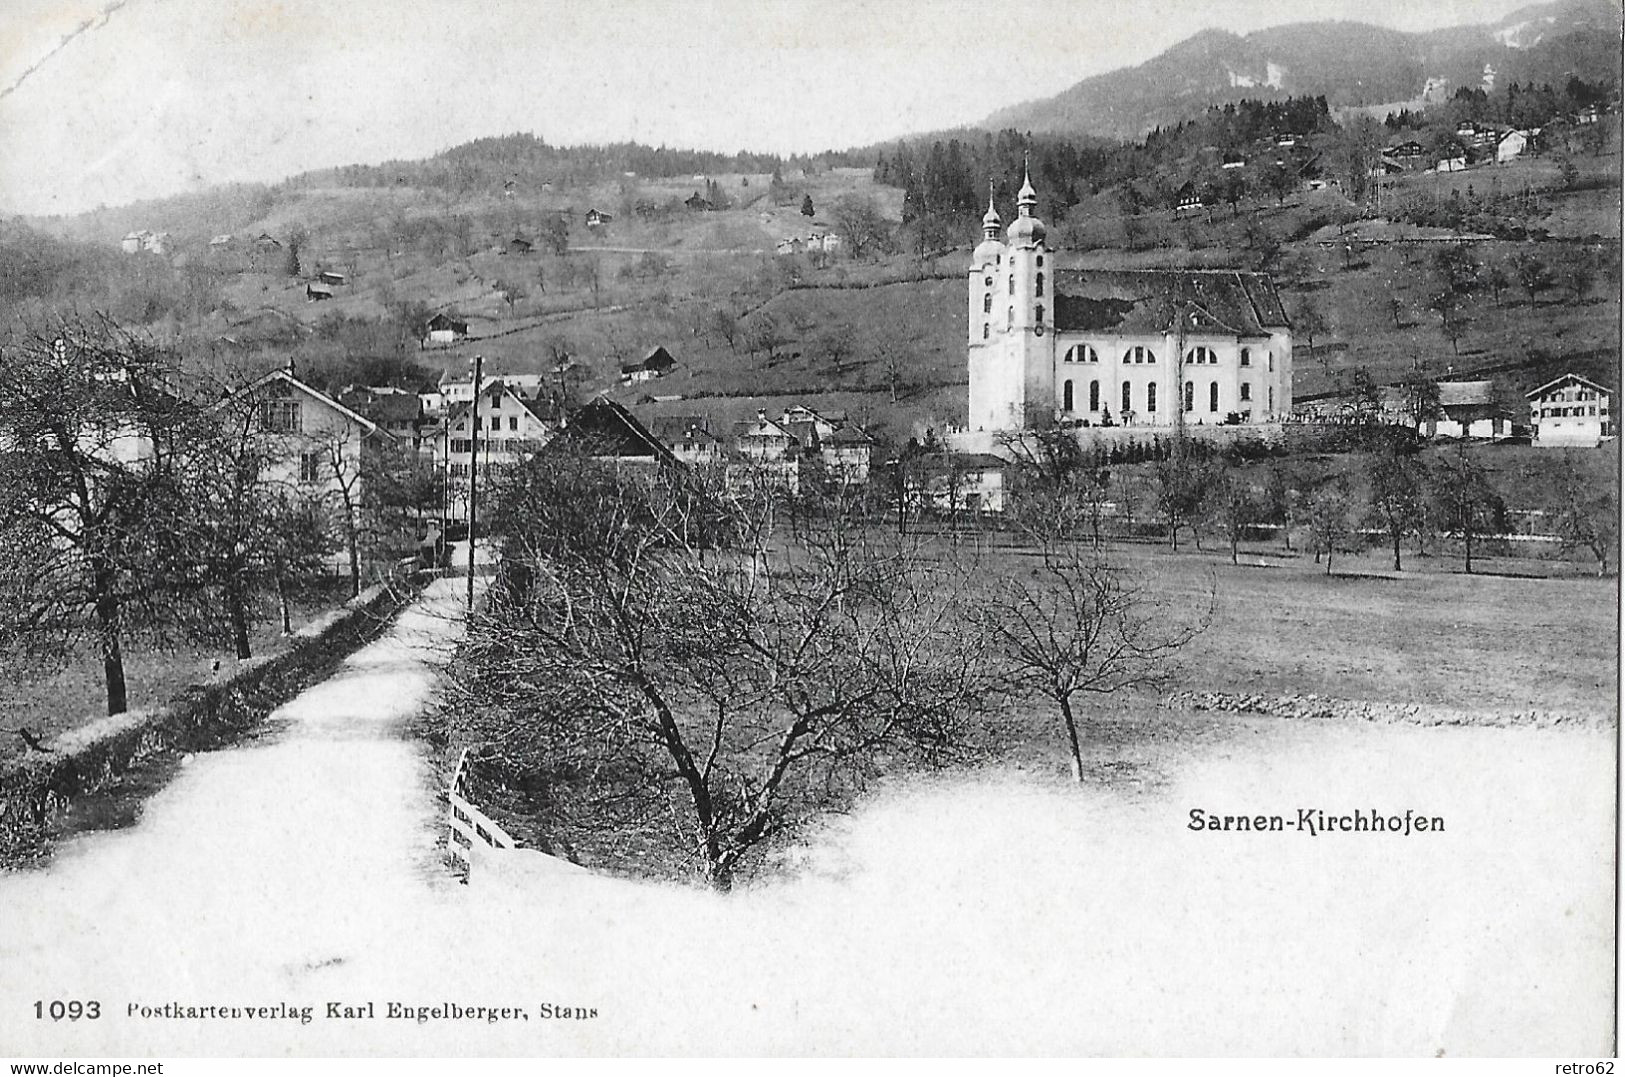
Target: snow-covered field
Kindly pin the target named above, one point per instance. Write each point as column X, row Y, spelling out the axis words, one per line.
column 996, row 912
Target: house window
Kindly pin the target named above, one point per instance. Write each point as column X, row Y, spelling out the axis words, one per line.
column 1201, row 355
column 1066, row 397
column 1094, row 396
column 1128, row 400
column 1246, row 391
column 988, row 281
column 1213, row 396
column 1246, row 359
column 1040, row 265
column 280, row 416
column 1190, row 396
column 1151, row 398
column 1038, row 314
column 1038, row 285
column 310, row 467
column 987, row 303
column 513, row 422
column 496, row 401
column 461, row 445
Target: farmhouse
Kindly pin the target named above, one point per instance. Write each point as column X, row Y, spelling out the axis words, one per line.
column 1117, row 347
column 511, row 428
column 331, row 278
column 444, row 329
column 956, row 483
column 315, row 293
column 1468, row 409
column 318, row 445
column 657, row 364
column 1570, row 412
column 597, row 218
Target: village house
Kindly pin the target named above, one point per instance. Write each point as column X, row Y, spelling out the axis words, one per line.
column 331, row 278
column 150, row 242
column 399, row 412
column 956, row 483
column 315, row 293
column 1570, row 412
column 598, row 218
column 1117, row 347
column 511, row 428
column 690, row 440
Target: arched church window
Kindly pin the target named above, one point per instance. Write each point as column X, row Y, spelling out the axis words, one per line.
column 1081, row 353
column 1066, row 396
column 1038, row 287
column 1201, row 355
column 1094, row 396
column 987, row 303
column 1151, row 397
column 1038, row 314
column 1269, row 361
column 1246, row 357
column 1012, row 284
column 984, row 330
column 1246, row 391
column 1272, row 397
column 1190, row 396
column 1139, row 355
column 1040, row 261
column 1128, row 400
column 1213, row 397
column 988, row 281
column 1010, row 316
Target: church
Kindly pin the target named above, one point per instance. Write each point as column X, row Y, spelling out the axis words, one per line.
column 1135, row 348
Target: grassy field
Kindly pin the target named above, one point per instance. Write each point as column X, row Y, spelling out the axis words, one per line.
column 154, row 671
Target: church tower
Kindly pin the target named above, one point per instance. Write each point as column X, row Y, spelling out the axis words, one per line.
column 1012, row 304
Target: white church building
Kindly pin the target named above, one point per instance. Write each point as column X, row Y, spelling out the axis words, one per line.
column 1117, row 347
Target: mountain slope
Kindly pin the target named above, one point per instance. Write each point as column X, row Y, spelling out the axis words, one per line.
column 1349, row 63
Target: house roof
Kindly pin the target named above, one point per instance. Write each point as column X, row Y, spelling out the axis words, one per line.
column 1145, row 301
column 385, row 404
column 1465, row 393
column 673, row 427
column 849, row 435
column 446, row 321
column 1568, row 378
column 282, row 374
column 608, row 423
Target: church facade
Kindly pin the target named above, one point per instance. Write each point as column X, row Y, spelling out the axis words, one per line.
column 1145, row 348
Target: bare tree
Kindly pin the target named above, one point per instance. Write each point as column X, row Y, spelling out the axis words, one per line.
column 1398, row 484
column 86, row 481
column 1467, row 501
column 1079, row 627
column 1330, row 512
column 706, row 698
column 1586, row 511
column 858, row 221
column 1231, row 504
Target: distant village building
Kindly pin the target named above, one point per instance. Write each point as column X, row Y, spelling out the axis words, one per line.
column 399, row 412
column 150, row 242
column 512, row 427
column 520, row 245
column 1126, row 347
column 331, row 278
column 690, row 440
column 315, row 293
column 697, row 203
column 657, row 364
column 597, row 218
column 1467, row 409
column 444, row 329
column 956, row 483
column 1511, row 146
column 1571, row 412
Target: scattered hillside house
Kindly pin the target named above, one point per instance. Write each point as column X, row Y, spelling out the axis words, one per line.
column 1409, row 154
column 657, row 364
column 848, row 453
column 444, row 329
column 762, row 440
column 151, row 242
column 1188, row 200
column 520, row 245
column 221, row 241
column 598, row 218
column 331, row 278
column 790, row 245
column 955, row 483
column 265, row 241
column 1233, row 160
column 1456, row 163
column 1511, row 146
column 698, row 204
column 1571, row 412
column 1048, row 343
column 1468, row 409
column 1588, row 114
column 828, row 242
column 315, row 293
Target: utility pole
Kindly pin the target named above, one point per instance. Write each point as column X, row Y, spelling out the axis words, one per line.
column 445, row 486
column 474, row 476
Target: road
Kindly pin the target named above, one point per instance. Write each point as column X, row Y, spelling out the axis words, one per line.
column 998, row 911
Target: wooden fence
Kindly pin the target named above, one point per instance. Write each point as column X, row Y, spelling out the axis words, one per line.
column 471, row 828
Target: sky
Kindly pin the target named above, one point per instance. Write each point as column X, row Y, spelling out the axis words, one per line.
column 110, row 101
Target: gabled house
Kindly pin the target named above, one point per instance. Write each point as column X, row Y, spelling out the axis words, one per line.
column 400, row 412
column 955, row 483
column 511, row 428
column 1571, row 412
column 690, row 439
column 315, row 293
column 848, row 453
column 657, row 364
column 1467, row 409
column 331, row 278
column 444, row 329
column 598, row 218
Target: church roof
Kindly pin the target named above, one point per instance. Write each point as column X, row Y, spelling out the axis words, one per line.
column 1145, row 301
